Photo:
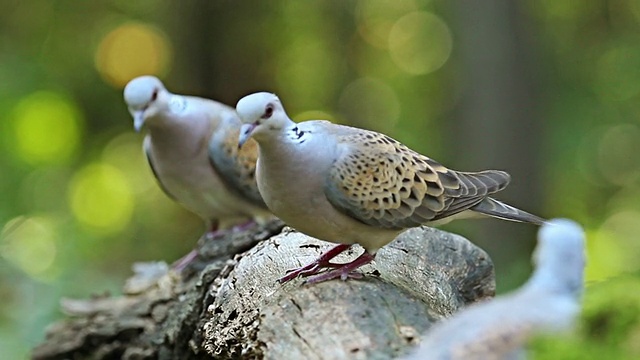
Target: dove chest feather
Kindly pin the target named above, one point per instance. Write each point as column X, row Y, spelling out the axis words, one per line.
column 292, row 177
column 184, row 171
column 290, row 174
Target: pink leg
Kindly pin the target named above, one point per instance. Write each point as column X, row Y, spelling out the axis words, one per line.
column 212, row 231
column 215, row 232
column 182, row 263
column 344, row 271
column 244, row 226
column 313, row 268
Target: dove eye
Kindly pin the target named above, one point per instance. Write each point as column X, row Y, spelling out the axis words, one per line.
column 154, row 96
column 268, row 112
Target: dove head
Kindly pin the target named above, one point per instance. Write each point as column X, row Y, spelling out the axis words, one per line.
column 559, row 256
column 262, row 113
column 145, row 96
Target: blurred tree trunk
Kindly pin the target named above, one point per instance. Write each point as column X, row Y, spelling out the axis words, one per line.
column 209, row 62
column 497, row 124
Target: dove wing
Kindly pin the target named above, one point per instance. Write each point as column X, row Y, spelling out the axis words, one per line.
column 381, row 182
column 147, row 152
column 237, row 167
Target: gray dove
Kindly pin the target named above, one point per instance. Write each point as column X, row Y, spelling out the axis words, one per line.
column 549, row 302
column 192, row 147
column 348, row 185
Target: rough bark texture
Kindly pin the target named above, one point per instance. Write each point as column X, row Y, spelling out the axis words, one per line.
column 229, row 305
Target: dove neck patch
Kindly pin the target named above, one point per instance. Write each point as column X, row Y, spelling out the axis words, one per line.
column 177, row 104
column 297, row 135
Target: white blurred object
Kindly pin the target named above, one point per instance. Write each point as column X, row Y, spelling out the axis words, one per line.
column 499, row 328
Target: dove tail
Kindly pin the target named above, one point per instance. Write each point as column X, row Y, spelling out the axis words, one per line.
column 495, row 208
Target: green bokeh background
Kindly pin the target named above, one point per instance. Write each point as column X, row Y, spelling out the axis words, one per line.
column 547, row 90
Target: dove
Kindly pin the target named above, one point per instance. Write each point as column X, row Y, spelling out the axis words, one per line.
column 192, row 148
column 353, row 186
column 549, row 302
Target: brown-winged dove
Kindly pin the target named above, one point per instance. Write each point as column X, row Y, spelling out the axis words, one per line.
column 348, row 185
column 549, row 302
column 192, row 147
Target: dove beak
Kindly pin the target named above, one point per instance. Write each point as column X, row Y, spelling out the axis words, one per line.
column 245, row 133
column 138, row 119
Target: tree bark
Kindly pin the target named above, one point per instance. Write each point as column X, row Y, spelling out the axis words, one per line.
column 227, row 303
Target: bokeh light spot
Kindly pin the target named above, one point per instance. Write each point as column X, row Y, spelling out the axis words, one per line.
column 420, row 43
column 131, row 50
column 614, row 249
column 604, row 256
column 307, row 72
column 370, row 103
column 47, row 128
column 29, row 243
column 376, row 18
column 618, row 73
column 101, row 198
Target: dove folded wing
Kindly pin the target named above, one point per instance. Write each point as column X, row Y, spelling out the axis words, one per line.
column 381, row 182
column 163, row 187
column 236, row 167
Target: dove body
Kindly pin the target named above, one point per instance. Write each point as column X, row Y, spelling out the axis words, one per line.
column 191, row 146
column 180, row 159
column 298, row 200
column 348, row 185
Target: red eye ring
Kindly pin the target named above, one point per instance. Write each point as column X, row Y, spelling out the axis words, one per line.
column 268, row 111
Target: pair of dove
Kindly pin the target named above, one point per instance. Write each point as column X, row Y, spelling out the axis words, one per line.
column 547, row 303
column 337, row 183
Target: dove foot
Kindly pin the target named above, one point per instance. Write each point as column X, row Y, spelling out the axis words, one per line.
column 316, row 266
column 244, row 226
column 343, row 271
column 212, row 233
column 182, row 263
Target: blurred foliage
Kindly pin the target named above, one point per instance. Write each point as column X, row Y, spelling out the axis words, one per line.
column 609, row 328
column 78, row 204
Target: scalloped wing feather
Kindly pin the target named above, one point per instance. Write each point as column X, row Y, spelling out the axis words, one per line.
column 381, row 182
column 237, row 167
